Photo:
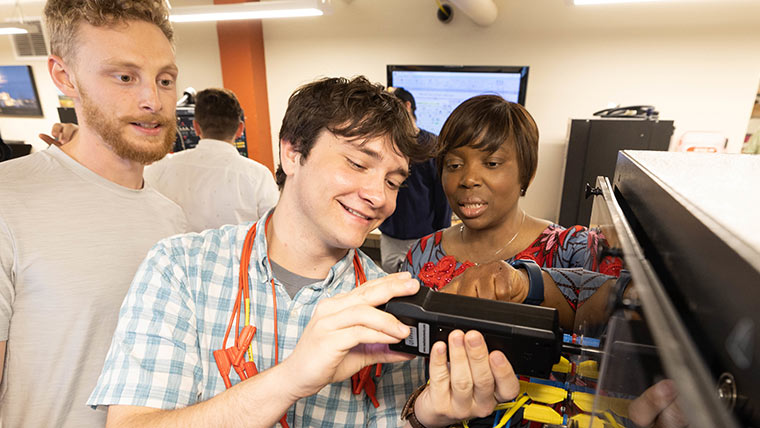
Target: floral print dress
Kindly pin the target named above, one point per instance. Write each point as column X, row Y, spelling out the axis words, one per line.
column 568, row 255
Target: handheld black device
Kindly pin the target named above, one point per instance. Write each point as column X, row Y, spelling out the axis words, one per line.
column 528, row 335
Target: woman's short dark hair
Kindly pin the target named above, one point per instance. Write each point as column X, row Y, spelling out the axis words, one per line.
column 355, row 109
column 486, row 122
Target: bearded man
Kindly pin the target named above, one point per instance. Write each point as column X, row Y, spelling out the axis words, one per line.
column 76, row 220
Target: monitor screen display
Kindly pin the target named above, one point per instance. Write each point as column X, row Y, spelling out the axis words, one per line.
column 18, row 93
column 438, row 90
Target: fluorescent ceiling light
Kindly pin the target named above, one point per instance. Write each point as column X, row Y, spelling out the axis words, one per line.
column 249, row 10
column 16, row 28
column 587, row 2
column 12, row 30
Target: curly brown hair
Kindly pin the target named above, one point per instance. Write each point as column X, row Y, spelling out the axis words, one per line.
column 355, row 109
column 63, row 16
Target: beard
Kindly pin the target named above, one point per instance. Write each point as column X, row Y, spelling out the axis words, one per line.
column 144, row 150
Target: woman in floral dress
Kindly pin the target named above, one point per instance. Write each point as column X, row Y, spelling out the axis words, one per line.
column 487, row 159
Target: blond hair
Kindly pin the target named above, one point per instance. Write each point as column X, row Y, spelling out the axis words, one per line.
column 64, row 16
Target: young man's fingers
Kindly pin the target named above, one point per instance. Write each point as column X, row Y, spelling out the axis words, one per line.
column 348, row 338
column 506, row 385
column 367, row 317
column 440, row 380
column 480, row 367
column 380, row 290
column 461, row 378
column 383, row 354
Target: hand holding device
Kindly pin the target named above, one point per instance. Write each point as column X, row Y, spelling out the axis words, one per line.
column 469, row 385
column 347, row 333
column 528, row 335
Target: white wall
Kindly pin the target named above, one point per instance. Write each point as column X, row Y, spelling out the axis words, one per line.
column 197, row 56
column 697, row 63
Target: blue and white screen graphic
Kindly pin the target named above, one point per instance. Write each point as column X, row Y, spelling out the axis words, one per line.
column 438, row 93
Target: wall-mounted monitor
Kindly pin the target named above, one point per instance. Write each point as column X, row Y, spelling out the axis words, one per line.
column 18, row 93
column 439, row 89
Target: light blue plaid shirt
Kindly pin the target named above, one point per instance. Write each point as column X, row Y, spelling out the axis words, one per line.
column 177, row 310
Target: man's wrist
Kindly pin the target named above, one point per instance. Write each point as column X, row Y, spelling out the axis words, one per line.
column 290, row 388
column 425, row 414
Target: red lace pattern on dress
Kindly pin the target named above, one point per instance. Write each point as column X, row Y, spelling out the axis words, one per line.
column 437, row 275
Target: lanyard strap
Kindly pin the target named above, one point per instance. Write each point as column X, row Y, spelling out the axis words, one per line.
column 234, row 356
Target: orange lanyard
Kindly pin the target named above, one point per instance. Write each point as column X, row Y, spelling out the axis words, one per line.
column 234, row 356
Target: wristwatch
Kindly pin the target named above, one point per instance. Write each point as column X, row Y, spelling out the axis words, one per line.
column 535, row 281
column 407, row 413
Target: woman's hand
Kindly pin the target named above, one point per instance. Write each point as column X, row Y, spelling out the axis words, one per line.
column 495, row 280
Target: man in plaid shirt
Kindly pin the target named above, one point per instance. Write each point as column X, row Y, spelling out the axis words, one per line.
column 345, row 147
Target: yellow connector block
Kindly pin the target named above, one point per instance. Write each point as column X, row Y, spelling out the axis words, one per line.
column 588, row 421
column 589, row 369
column 543, row 393
column 585, row 402
column 542, row 414
column 563, row 366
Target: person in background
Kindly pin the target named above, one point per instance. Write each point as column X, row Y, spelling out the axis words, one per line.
column 5, row 150
column 487, row 158
column 212, row 182
column 75, row 221
column 421, row 206
column 345, row 147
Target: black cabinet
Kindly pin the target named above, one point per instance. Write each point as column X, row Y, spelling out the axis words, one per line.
column 592, row 151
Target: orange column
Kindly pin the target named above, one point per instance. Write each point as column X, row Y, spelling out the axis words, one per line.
column 241, row 48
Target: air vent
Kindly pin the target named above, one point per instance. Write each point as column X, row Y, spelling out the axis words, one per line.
column 30, row 45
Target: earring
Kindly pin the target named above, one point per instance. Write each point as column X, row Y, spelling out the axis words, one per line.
column 522, row 192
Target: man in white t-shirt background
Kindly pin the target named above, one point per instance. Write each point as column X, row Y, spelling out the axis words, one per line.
column 76, row 220
column 212, row 182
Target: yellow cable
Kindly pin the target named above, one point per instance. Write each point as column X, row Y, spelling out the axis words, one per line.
column 440, row 6
column 612, row 420
column 511, row 412
column 247, row 323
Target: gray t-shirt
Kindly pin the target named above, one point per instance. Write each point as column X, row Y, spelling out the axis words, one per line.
column 292, row 282
column 70, row 243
